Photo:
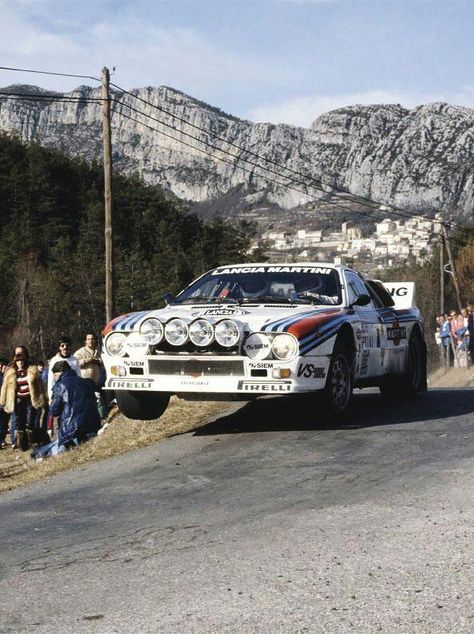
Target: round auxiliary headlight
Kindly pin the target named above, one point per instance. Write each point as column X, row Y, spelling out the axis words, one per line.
column 201, row 332
column 285, row 346
column 115, row 344
column 258, row 346
column 227, row 333
column 152, row 331
column 176, row 332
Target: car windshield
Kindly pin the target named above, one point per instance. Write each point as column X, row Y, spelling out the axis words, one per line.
column 265, row 284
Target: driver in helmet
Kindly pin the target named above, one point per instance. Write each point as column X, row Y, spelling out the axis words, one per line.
column 314, row 289
column 254, row 286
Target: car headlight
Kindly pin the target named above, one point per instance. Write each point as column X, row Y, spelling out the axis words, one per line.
column 176, row 332
column 115, row 344
column 284, row 346
column 152, row 331
column 227, row 333
column 201, row 332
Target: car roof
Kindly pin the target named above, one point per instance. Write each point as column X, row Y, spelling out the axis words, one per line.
column 330, row 265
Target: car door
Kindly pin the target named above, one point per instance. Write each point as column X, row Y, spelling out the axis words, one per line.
column 367, row 329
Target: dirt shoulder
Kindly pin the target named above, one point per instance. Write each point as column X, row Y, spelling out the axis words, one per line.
column 452, row 377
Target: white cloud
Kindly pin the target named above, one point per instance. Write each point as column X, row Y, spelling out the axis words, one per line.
column 302, row 111
column 142, row 54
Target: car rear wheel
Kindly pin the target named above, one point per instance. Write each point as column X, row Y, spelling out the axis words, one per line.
column 339, row 383
column 142, row 405
column 407, row 385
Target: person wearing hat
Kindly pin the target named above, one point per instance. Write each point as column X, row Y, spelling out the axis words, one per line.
column 64, row 354
column 73, row 402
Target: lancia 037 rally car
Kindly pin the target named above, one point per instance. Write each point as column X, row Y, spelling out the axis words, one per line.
column 248, row 330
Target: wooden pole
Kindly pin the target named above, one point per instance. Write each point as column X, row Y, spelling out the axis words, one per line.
column 453, row 268
column 441, row 274
column 107, row 141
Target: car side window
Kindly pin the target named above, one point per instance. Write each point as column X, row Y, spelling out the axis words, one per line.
column 355, row 288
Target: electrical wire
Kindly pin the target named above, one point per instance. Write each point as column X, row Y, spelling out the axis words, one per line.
column 344, row 195
column 47, row 72
column 357, row 199
column 233, row 163
column 362, row 200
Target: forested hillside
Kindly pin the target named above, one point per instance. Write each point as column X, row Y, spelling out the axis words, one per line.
column 52, row 246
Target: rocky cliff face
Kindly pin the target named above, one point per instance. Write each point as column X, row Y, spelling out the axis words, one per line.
column 421, row 159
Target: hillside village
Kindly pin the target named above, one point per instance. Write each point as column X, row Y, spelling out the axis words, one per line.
column 373, row 247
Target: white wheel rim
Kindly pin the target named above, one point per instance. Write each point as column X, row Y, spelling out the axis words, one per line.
column 340, row 383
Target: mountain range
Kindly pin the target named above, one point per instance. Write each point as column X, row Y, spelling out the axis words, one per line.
column 420, row 159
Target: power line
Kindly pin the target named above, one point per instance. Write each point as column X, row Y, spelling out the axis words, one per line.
column 248, row 161
column 357, row 199
column 361, row 200
column 48, row 98
column 233, row 163
column 47, row 72
column 344, row 195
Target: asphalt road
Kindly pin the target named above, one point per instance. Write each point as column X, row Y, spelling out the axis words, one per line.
column 266, row 520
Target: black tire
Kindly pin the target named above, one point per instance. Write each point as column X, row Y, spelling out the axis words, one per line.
column 407, row 385
column 339, row 383
column 142, row 405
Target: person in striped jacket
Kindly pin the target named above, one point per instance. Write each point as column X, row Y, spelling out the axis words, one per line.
column 22, row 393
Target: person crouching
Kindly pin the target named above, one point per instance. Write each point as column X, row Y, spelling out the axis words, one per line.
column 73, row 401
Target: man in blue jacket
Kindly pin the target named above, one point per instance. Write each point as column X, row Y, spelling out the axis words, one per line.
column 73, row 401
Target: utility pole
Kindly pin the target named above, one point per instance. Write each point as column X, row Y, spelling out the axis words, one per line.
column 107, row 140
column 453, row 269
column 441, row 273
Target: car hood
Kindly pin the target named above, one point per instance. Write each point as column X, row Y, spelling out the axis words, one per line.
column 253, row 317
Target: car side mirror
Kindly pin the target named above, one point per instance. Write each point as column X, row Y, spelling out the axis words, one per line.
column 169, row 298
column 362, row 300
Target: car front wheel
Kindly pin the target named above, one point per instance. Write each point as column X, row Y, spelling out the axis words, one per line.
column 142, row 405
column 339, row 383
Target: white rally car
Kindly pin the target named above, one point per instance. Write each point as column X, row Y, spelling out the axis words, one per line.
column 248, row 330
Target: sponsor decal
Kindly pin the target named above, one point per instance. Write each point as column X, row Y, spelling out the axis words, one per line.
column 396, row 333
column 135, row 345
column 402, row 293
column 195, row 382
column 257, row 346
column 364, row 363
column 133, row 364
column 130, row 384
column 273, row 269
column 264, row 386
column 220, row 312
column 310, row 371
column 260, row 365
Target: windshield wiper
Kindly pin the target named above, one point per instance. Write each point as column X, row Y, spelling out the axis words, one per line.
column 197, row 299
column 271, row 299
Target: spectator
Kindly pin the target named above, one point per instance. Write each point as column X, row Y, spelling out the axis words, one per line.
column 42, row 422
column 438, row 339
column 445, row 332
column 64, row 354
column 89, row 359
column 470, row 327
column 3, row 414
column 73, row 400
column 92, row 368
column 17, row 350
column 22, row 393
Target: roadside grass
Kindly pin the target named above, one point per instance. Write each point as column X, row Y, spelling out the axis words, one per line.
column 122, row 434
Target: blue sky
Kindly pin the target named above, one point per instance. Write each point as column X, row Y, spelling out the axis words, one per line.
column 281, row 60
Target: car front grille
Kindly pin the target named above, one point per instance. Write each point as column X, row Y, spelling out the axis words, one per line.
column 196, row 367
